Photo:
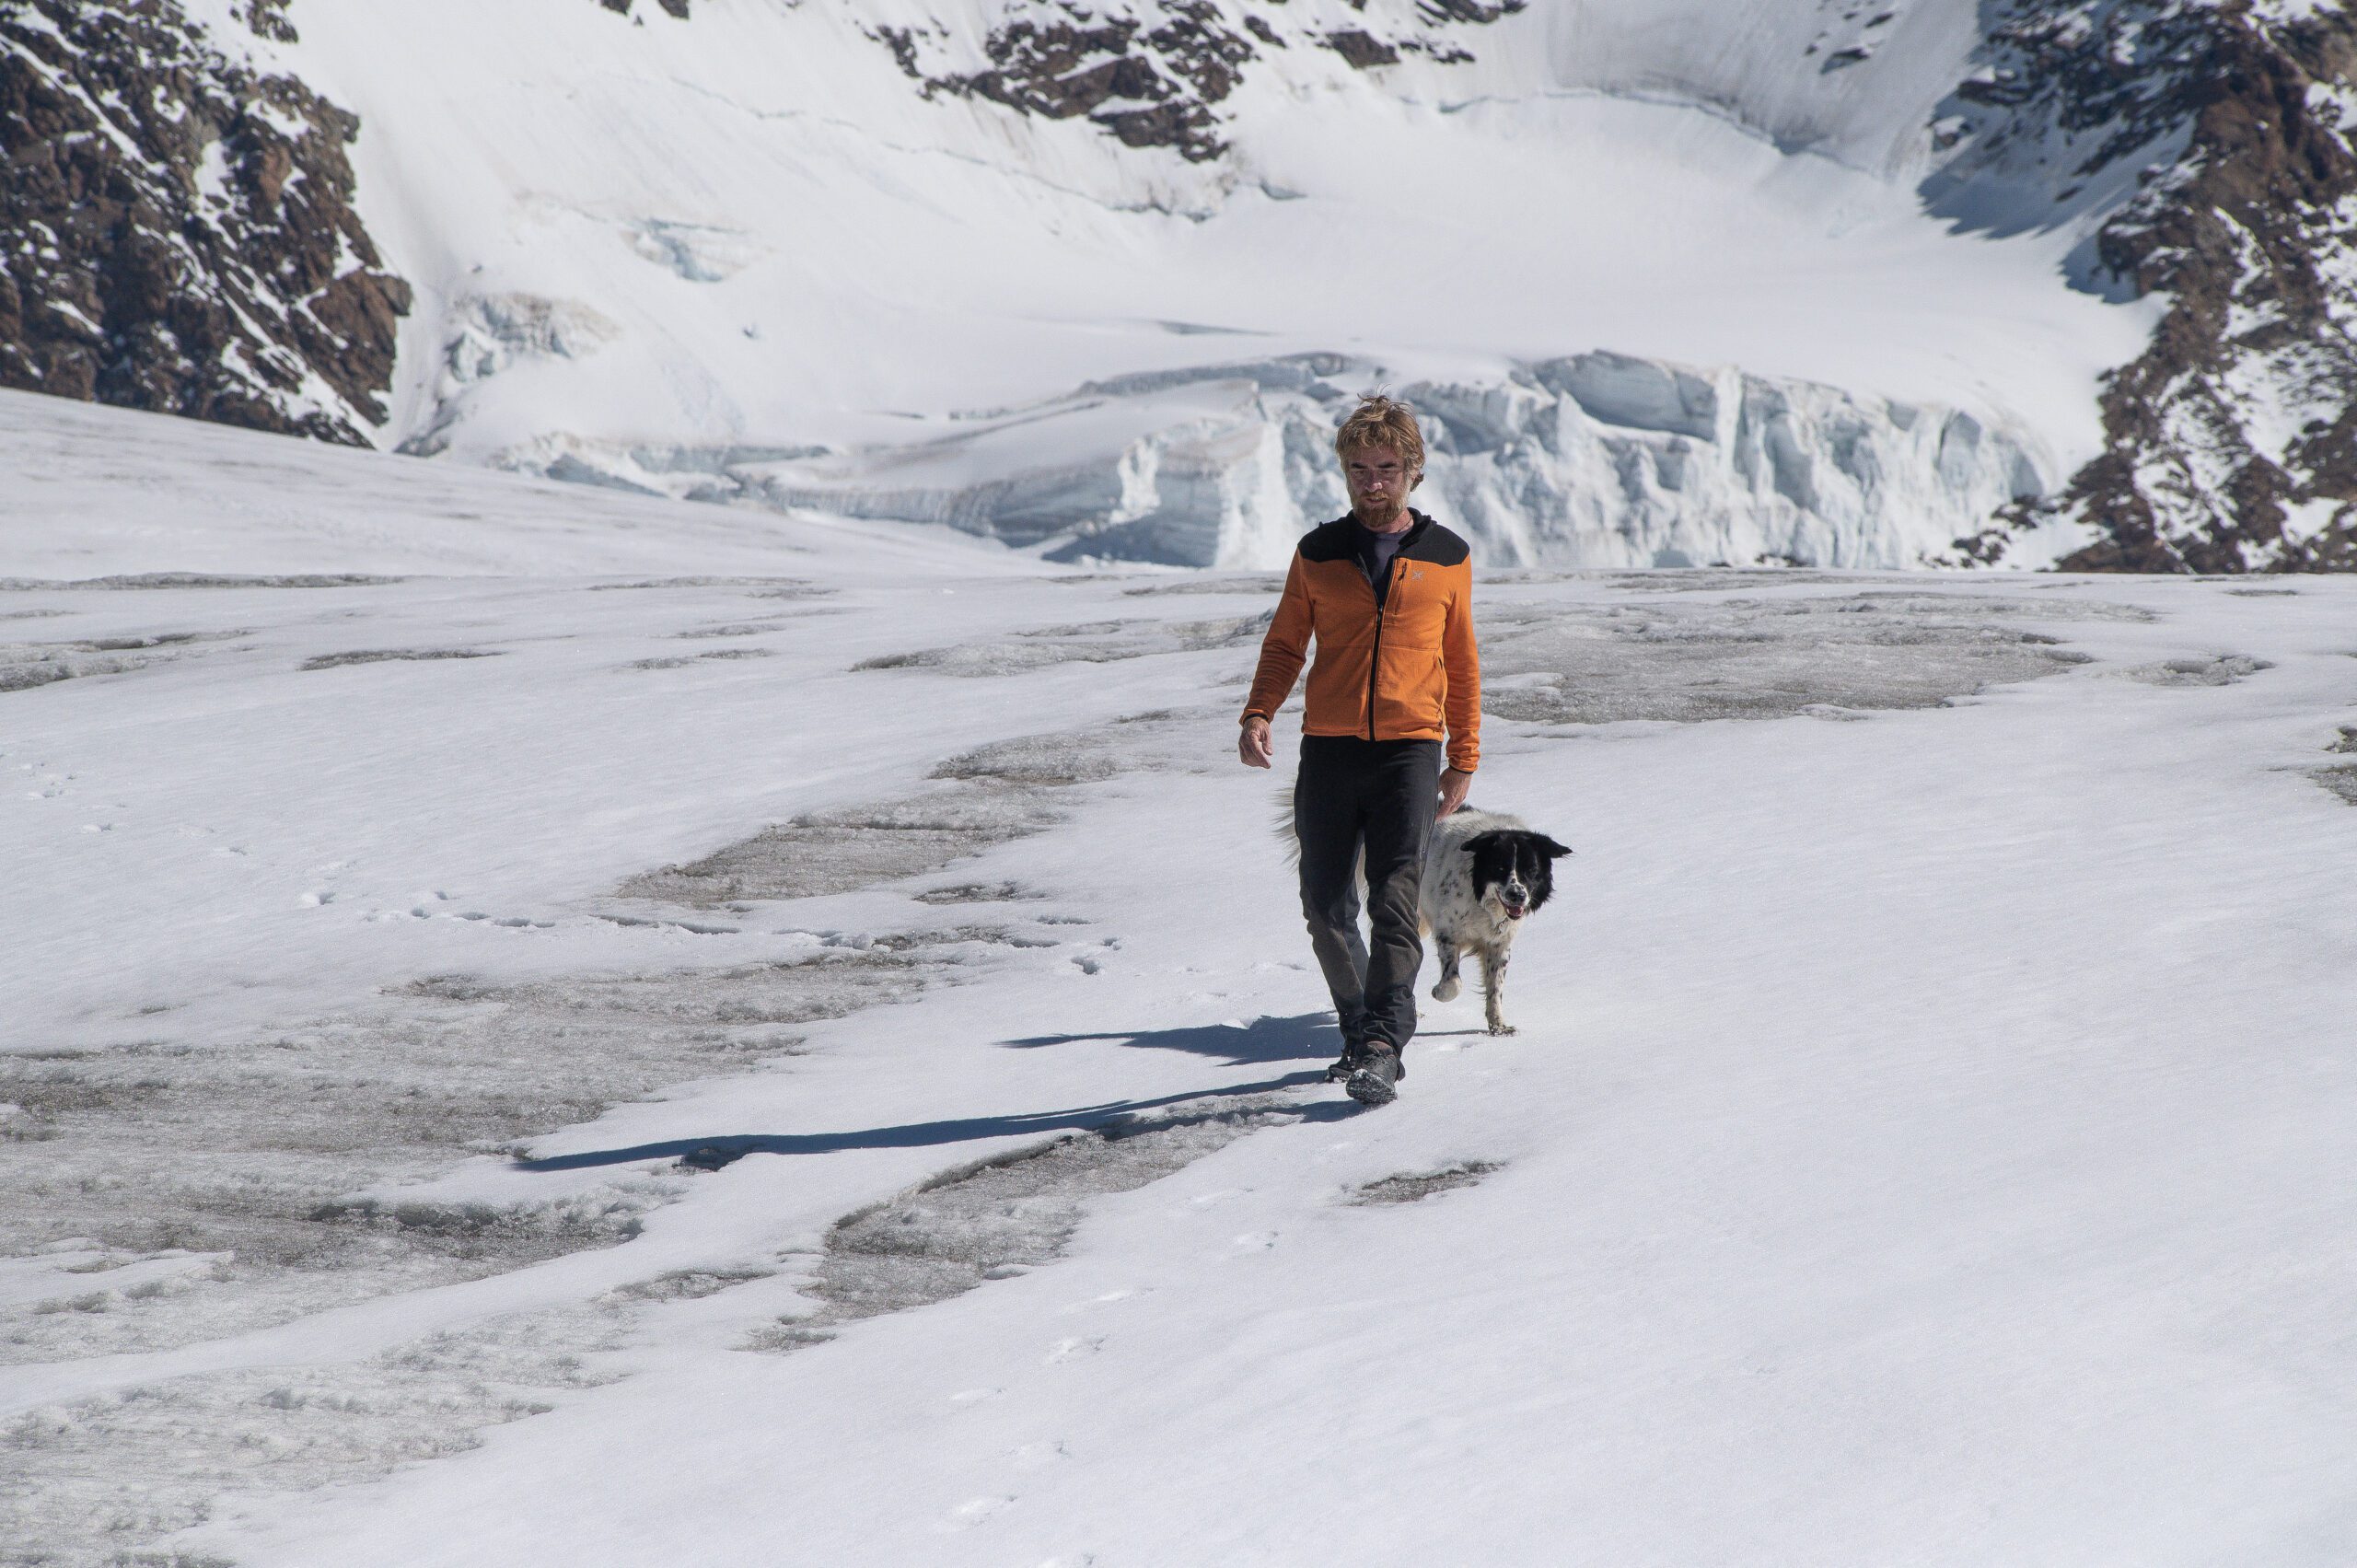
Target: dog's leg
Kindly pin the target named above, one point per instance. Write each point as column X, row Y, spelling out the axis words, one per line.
column 1493, row 985
column 1446, row 990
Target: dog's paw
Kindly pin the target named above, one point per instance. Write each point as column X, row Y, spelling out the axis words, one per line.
column 1503, row 1029
column 1446, row 990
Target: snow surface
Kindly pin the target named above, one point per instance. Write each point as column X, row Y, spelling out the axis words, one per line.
column 677, row 254
column 1921, row 1144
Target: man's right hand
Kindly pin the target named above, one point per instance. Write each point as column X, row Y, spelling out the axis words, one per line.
column 1252, row 746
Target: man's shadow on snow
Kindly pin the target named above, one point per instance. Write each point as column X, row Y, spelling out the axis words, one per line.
column 711, row 1154
column 1261, row 1040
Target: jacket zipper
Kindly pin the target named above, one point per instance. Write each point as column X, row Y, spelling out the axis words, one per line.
column 1374, row 661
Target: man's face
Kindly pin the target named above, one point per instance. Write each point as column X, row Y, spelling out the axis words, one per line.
column 1379, row 480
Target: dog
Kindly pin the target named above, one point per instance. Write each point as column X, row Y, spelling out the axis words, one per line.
column 1485, row 873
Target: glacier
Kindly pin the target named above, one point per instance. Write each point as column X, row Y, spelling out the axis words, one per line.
column 1593, row 459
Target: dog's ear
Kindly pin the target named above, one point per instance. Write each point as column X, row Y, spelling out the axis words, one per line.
column 1475, row 844
column 1550, row 848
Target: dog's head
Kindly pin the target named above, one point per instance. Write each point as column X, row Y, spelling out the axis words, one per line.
column 1514, row 869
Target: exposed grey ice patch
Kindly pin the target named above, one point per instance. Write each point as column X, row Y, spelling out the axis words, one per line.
column 1692, row 660
column 1264, row 583
column 737, row 629
column 986, row 1220
column 683, row 661
column 758, row 588
column 2346, row 740
column 1039, row 759
column 205, row 580
column 689, row 1285
column 149, row 1151
column 88, row 1483
column 1688, row 579
column 384, row 655
column 1410, row 1187
column 2219, row 669
column 1097, row 642
column 845, row 848
column 979, row 893
column 2341, row 781
column 23, row 666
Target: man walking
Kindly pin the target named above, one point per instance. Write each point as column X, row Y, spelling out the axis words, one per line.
column 1388, row 593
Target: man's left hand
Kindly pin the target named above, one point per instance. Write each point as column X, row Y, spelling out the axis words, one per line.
column 1453, row 788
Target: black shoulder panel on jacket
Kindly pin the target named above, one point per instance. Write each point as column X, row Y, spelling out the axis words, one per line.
column 1337, row 540
column 1439, row 545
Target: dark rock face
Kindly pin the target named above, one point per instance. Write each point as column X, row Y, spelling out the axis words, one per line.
column 1154, row 79
column 182, row 238
column 2218, row 138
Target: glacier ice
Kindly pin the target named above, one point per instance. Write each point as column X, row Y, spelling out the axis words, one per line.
column 1592, row 459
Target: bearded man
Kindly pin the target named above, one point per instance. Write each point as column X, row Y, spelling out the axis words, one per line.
column 1386, row 595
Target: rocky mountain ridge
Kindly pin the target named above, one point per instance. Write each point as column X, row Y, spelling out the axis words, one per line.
column 2226, row 134
column 179, row 226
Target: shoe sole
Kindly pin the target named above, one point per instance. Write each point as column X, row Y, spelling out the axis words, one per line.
column 1369, row 1091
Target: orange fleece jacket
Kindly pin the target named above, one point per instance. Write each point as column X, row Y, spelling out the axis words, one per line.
column 1407, row 669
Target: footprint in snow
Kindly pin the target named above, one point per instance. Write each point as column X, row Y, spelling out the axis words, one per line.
column 1076, row 1347
column 966, row 1515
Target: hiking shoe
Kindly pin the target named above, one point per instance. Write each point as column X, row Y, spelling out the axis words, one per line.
column 1374, row 1080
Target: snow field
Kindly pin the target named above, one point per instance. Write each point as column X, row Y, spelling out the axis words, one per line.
column 1916, row 1130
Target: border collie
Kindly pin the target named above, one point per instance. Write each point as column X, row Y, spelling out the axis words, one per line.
column 1484, row 874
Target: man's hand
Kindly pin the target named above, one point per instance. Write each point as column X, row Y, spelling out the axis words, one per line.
column 1453, row 788
column 1252, row 746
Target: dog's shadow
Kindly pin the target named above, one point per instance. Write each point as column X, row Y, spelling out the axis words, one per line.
column 1239, row 1045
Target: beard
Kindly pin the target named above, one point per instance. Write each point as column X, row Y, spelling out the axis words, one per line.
column 1379, row 514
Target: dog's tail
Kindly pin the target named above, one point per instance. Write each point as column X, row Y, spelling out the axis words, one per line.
column 1281, row 823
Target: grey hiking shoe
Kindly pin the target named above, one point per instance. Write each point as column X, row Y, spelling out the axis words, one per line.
column 1376, row 1078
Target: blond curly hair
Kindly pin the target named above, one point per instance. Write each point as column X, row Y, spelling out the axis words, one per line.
column 1379, row 420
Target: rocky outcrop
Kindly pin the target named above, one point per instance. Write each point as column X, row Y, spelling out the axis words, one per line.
column 2211, row 147
column 182, row 236
column 1155, row 77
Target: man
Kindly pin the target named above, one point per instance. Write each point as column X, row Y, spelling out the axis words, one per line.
column 1388, row 593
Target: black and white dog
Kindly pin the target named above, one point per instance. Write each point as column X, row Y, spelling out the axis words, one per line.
column 1484, row 874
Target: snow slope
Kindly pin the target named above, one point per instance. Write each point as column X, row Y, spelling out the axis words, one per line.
column 1920, row 1144
column 742, row 254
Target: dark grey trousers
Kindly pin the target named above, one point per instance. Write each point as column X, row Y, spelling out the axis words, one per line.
column 1377, row 796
